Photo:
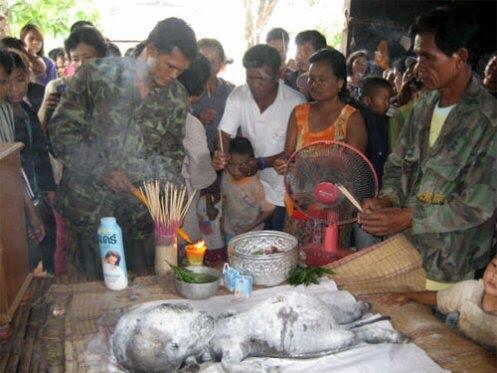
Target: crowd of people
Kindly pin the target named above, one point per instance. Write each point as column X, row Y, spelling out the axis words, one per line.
column 95, row 124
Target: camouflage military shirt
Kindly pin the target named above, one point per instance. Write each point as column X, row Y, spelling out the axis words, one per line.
column 102, row 124
column 451, row 186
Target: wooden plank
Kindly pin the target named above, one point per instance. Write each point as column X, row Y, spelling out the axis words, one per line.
column 19, row 325
column 37, row 319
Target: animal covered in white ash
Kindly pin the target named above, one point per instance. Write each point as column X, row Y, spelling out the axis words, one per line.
column 164, row 337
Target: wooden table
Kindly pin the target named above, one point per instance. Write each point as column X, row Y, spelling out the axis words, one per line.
column 39, row 344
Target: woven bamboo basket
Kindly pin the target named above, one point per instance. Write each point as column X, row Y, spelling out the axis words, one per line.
column 393, row 265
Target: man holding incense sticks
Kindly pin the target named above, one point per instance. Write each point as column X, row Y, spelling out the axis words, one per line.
column 120, row 122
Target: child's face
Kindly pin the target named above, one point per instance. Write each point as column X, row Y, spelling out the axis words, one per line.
column 18, row 85
column 490, row 278
column 112, row 260
column 380, row 101
column 234, row 164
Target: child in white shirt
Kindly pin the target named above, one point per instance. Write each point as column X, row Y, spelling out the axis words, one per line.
column 474, row 300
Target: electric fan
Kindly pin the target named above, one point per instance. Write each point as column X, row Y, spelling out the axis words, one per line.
column 327, row 181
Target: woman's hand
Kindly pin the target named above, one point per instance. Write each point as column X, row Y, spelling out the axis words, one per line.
column 36, row 230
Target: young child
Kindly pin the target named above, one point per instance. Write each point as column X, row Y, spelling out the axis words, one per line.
column 375, row 98
column 474, row 300
column 244, row 203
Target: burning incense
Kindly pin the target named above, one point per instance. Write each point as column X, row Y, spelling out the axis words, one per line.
column 221, row 146
column 166, row 207
column 349, row 196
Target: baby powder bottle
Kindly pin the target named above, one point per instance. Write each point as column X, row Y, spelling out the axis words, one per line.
column 110, row 239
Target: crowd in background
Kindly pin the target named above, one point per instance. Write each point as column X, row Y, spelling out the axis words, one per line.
column 362, row 99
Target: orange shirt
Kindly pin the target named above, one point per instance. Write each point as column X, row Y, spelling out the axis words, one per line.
column 336, row 131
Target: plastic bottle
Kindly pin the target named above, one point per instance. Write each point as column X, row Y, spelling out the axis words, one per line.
column 110, row 239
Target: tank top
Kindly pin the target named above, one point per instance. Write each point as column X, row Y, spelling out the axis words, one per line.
column 337, row 131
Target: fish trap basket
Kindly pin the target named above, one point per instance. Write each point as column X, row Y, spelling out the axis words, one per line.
column 269, row 269
column 393, row 265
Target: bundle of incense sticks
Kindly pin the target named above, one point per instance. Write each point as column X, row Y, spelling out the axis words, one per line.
column 166, row 205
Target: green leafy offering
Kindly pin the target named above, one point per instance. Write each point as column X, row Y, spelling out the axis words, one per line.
column 307, row 275
column 185, row 275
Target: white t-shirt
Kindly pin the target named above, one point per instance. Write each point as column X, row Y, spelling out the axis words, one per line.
column 266, row 131
column 438, row 118
column 465, row 297
column 197, row 168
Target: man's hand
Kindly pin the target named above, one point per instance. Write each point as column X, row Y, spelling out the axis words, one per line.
column 220, row 160
column 36, row 230
column 250, row 167
column 372, row 204
column 386, row 221
column 281, row 165
column 207, row 116
column 118, row 181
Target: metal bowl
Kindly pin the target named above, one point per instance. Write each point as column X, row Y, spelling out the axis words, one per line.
column 268, row 269
column 198, row 291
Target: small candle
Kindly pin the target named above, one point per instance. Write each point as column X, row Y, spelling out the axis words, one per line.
column 195, row 253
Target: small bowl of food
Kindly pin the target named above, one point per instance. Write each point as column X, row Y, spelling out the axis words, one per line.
column 196, row 282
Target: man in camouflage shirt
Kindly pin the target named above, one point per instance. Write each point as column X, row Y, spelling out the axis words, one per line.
column 121, row 121
column 440, row 182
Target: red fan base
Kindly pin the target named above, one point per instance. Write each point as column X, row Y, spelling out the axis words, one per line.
column 316, row 256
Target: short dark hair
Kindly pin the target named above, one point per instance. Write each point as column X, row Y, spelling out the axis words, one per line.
column 241, row 145
column 336, row 60
column 113, row 50
column 13, row 43
column 371, row 84
column 35, row 29
column 278, row 33
column 174, row 32
column 6, row 61
column 260, row 55
column 454, row 28
column 81, row 23
column 196, row 76
column 18, row 61
column 56, row 52
column 354, row 56
column 212, row 44
column 311, row 36
column 88, row 35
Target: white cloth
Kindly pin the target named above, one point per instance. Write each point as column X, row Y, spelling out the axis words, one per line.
column 266, row 131
column 197, row 168
column 465, row 297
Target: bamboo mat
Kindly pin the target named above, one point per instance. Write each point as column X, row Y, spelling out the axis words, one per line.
column 82, row 316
